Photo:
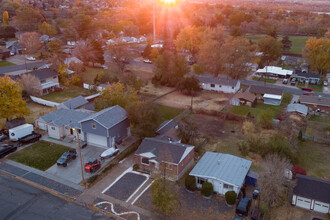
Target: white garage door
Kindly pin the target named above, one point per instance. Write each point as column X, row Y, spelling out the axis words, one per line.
column 303, row 203
column 96, row 139
column 321, row 207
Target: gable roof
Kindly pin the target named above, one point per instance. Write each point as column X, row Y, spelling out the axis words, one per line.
column 159, row 147
column 315, row 100
column 43, row 73
column 65, row 117
column 166, row 126
column 73, row 103
column 312, row 188
column 223, row 167
column 108, row 117
column 246, row 96
column 265, row 90
column 307, row 75
column 220, row 79
column 295, row 107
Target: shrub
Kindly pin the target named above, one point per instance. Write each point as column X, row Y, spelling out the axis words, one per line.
column 207, row 189
column 136, row 167
column 198, row 69
column 91, row 179
column 248, row 127
column 190, row 183
column 76, row 81
column 231, row 197
column 265, row 120
column 300, row 138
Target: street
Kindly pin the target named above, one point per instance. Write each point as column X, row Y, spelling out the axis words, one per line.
column 19, row 200
column 8, row 69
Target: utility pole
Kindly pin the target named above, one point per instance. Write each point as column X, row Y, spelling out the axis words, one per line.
column 81, row 163
column 154, row 20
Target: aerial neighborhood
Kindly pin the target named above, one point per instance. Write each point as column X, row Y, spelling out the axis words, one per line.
column 165, row 109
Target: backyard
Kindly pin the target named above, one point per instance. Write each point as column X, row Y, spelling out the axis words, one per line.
column 5, row 63
column 67, row 93
column 168, row 113
column 40, row 155
column 89, row 75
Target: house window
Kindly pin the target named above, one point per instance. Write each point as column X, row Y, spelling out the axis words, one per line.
column 94, row 126
column 53, row 128
column 200, row 180
column 145, row 160
column 212, row 85
column 226, row 186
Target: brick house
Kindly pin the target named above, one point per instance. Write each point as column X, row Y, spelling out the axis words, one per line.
column 160, row 155
column 315, row 102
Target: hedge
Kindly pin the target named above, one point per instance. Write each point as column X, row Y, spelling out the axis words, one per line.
column 207, row 189
column 231, row 197
column 190, row 183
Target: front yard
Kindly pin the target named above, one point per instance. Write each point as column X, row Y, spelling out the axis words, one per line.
column 255, row 78
column 67, row 94
column 316, row 88
column 6, row 63
column 40, row 155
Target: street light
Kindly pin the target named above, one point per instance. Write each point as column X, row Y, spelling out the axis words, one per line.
column 81, row 163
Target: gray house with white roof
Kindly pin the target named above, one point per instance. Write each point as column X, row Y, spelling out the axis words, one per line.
column 226, row 172
column 218, row 83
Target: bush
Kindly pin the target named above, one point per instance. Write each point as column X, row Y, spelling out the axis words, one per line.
column 265, row 120
column 190, row 183
column 300, row 138
column 231, row 197
column 136, row 167
column 91, row 179
column 207, row 189
column 76, row 81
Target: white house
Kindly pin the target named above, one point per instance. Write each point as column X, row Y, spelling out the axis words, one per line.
column 226, row 172
column 274, row 71
column 312, row 194
column 220, row 83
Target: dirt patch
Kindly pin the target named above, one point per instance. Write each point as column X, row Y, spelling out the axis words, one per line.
column 37, row 111
column 142, row 72
column 151, row 90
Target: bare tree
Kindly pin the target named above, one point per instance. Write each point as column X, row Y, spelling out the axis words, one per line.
column 273, row 183
column 85, row 51
column 31, row 84
column 31, row 41
column 120, row 55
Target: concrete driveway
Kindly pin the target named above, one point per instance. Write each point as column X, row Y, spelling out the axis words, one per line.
column 73, row 171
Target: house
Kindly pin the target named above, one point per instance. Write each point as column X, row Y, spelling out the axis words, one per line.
column 169, row 128
column 155, row 154
column 270, row 95
column 75, row 103
column 315, row 102
column 70, row 60
column 48, row 79
column 107, row 127
column 312, row 194
column 292, row 60
column 274, row 72
column 4, row 53
column 60, row 123
column 244, row 98
column 220, row 83
column 297, row 109
column 224, row 171
column 303, row 77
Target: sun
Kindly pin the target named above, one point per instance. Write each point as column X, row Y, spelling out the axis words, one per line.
column 169, row 2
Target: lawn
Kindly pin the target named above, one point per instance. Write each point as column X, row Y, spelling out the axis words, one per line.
column 168, row 113
column 40, row 155
column 316, row 88
column 271, row 109
column 255, row 78
column 66, row 94
column 298, row 42
column 89, row 75
column 6, row 63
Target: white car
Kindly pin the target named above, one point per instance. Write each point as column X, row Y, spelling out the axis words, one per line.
column 109, row 153
column 325, row 83
column 12, row 53
column 147, row 61
column 105, row 67
column 31, row 58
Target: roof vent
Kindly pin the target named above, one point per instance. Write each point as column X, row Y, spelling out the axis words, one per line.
column 219, row 162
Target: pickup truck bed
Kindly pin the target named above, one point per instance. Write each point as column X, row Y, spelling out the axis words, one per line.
column 31, row 138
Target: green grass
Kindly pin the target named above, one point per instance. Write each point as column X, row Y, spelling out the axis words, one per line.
column 255, row 78
column 298, row 42
column 316, row 88
column 168, row 112
column 273, row 110
column 69, row 93
column 6, row 63
column 89, row 75
column 40, row 155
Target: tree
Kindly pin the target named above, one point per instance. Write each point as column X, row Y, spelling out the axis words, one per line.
column 248, row 127
column 190, row 38
column 271, row 49
column 317, row 53
column 47, row 29
column 99, row 58
column 86, row 52
column 82, row 24
column 287, row 43
column 11, row 102
column 31, row 40
column 63, row 71
column 147, row 51
column 189, row 85
column 28, row 19
column 5, row 18
column 54, row 45
column 31, row 84
column 7, row 31
column 272, row 181
column 265, row 120
column 120, row 56
column 131, row 30
column 116, row 94
column 163, row 196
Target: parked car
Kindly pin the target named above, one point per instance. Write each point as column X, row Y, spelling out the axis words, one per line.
column 243, row 206
column 308, row 93
column 293, row 82
column 325, row 83
column 285, row 81
column 92, row 165
column 109, row 153
column 31, row 58
column 147, row 61
column 6, row 149
column 307, row 89
column 67, row 157
column 3, row 137
column 12, row 53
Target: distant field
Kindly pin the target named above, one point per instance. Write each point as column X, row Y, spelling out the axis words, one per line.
column 298, row 42
column 6, row 63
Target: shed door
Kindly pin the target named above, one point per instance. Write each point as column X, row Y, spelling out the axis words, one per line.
column 97, row 140
column 321, row 207
column 303, row 203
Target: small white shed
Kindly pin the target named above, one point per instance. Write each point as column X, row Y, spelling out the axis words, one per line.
column 272, row 99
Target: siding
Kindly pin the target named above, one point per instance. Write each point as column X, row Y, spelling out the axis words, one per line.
column 86, row 126
column 119, row 131
column 222, row 88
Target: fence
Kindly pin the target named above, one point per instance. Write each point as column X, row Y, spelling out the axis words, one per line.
column 90, row 87
column 44, row 102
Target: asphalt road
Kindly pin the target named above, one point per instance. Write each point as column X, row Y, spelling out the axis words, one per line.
column 19, row 200
column 8, row 69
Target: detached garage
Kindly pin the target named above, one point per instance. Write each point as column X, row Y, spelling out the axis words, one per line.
column 312, row 194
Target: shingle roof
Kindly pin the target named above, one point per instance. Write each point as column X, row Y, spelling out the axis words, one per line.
column 220, row 80
column 314, row 100
column 265, row 90
column 108, row 117
column 295, row 107
column 163, row 149
column 307, row 75
column 223, row 167
column 65, row 117
column 74, row 103
column 312, row 188
column 246, row 96
column 43, row 73
column 166, row 126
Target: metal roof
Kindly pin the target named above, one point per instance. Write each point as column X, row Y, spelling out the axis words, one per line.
column 108, row 117
column 271, row 96
column 275, row 70
column 223, row 167
column 295, row 107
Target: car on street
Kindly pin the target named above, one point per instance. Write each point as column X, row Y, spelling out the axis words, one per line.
column 243, row 206
column 307, row 89
column 31, row 58
column 7, row 149
column 308, row 93
column 285, row 81
column 147, row 61
column 67, row 157
column 109, row 153
column 92, row 165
